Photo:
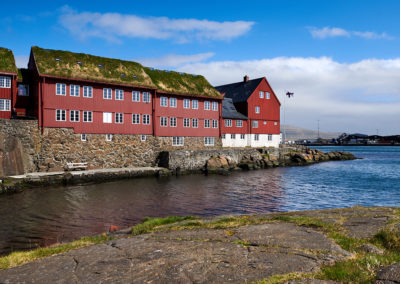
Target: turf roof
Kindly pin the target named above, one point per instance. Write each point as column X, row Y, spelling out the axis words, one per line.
column 7, row 61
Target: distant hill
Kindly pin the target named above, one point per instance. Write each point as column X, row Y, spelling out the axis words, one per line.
column 296, row 133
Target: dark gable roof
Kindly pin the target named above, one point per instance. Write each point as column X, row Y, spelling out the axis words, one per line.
column 241, row 91
column 229, row 110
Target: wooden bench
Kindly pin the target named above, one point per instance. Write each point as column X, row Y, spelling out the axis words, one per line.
column 76, row 166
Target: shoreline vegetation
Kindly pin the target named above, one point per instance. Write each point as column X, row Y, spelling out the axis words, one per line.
column 358, row 244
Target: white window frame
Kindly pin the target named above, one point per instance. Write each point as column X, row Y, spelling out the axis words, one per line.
column 254, row 124
column 107, row 93
column 233, row 136
column 143, row 138
column 87, row 92
column 215, row 106
column 135, row 96
column 135, row 118
column 5, row 82
column 256, row 137
column 257, row 109
column 172, row 122
column 186, row 103
column 209, row 141
column 72, row 115
column 86, row 115
column 275, row 123
column 164, row 101
column 119, row 95
column 261, row 94
column 74, row 90
column 146, row 97
column 5, row 105
column 178, row 141
column 207, row 105
column 25, row 88
column 119, row 118
column 109, row 137
column 195, row 122
column 223, row 136
column 239, row 123
column 61, row 89
column 267, row 95
column 61, row 113
column 186, row 122
column 206, row 123
column 84, row 137
column 214, row 123
column 269, row 137
column 195, row 104
column 107, row 117
column 146, row 119
column 228, row 122
column 173, row 102
column 164, row 121
column 242, row 136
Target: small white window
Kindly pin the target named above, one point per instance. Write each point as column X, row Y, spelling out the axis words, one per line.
column 5, row 82
column 87, row 92
column 146, row 119
column 228, row 122
column 143, row 138
column 261, row 94
column 23, row 90
column 239, row 123
column 164, row 101
column 107, row 117
column 87, row 116
column 164, row 121
column 195, row 122
column 223, row 136
column 209, row 141
column 215, row 106
column 265, row 123
column 119, row 95
column 172, row 121
column 135, row 96
column 107, row 94
column 267, row 95
column 146, row 97
column 233, row 136
column 61, row 115
column 83, row 137
column 256, row 137
column 275, row 123
column 172, row 102
column 74, row 90
column 255, row 124
column 119, row 117
column 177, row 141
column 135, row 118
column 242, row 136
column 269, row 137
column 5, row 105
column 186, row 122
column 61, row 89
column 109, row 137
column 215, row 123
column 207, row 105
column 206, row 123
column 186, row 103
column 195, row 104
column 74, row 115
column 257, row 110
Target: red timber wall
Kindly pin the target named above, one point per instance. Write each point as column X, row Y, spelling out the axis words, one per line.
column 180, row 113
column 269, row 110
column 234, row 130
column 51, row 102
column 9, row 94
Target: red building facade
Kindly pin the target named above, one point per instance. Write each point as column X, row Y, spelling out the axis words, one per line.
column 8, row 82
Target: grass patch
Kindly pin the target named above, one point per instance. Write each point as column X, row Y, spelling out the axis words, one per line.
column 306, row 221
column 149, row 224
column 18, row 258
column 388, row 238
column 285, row 278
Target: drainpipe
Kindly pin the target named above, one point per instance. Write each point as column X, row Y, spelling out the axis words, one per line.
column 153, row 115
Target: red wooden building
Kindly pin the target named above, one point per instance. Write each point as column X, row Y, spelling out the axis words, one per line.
column 8, row 82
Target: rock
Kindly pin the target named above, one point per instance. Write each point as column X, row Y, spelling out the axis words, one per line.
column 365, row 226
column 368, row 248
column 388, row 274
column 113, row 229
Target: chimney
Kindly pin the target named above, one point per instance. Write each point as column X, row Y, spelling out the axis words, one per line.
column 246, row 79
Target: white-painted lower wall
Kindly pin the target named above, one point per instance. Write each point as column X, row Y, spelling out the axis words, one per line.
column 249, row 140
column 237, row 142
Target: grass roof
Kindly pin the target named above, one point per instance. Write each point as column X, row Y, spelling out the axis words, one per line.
column 7, row 61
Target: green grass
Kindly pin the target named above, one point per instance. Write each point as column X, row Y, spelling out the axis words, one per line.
column 7, row 61
column 150, row 224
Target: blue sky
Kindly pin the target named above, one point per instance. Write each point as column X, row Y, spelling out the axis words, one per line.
column 339, row 57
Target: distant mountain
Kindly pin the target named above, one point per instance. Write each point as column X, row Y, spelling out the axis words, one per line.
column 297, row 133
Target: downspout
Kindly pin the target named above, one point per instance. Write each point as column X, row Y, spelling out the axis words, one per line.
column 153, row 115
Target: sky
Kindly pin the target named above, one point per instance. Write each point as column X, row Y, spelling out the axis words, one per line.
column 339, row 58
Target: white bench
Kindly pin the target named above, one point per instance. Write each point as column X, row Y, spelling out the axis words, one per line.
column 76, row 166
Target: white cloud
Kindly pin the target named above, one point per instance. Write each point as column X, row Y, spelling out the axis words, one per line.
column 21, row 61
column 114, row 26
column 358, row 97
column 326, row 32
column 174, row 60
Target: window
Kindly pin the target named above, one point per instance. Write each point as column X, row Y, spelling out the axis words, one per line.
column 257, row 110
column 256, row 137
column 107, row 94
column 87, row 92
column 265, row 123
column 186, row 103
column 23, row 90
column 146, row 97
column 5, row 105
column 83, row 137
column 135, row 96
column 267, row 95
column 186, row 122
column 209, row 141
column 172, row 121
column 107, row 117
column 239, row 123
column 164, row 121
column 109, row 137
column 215, row 123
column 61, row 89
column 87, row 116
column 275, row 123
column 261, row 94
column 215, row 106
column 242, row 136
column 119, row 117
column 177, row 141
column 207, row 105
column 164, row 101
column 61, row 115
column 74, row 90
column 233, row 136
column 143, row 138
column 146, row 118
column 119, row 95
column 206, row 123
column 255, row 124
column 223, row 136
column 195, row 104
column 269, row 137
column 74, row 115
column 195, row 122
column 172, row 102
column 228, row 122
column 5, row 82
column 135, row 118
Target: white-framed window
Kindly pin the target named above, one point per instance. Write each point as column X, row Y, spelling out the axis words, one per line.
column 87, row 92
column 269, row 137
column 119, row 117
column 195, row 104
column 135, row 96
column 207, row 105
column 206, row 123
column 186, row 103
column 61, row 89
column 214, row 106
column 172, row 102
column 275, row 123
column 257, row 109
column 256, row 137
column 87, row 116
column 209, row 141
column 107, row 94
column 135, row 118
column 74, row 90
column 23, row 90
column 146, row 119
column 228, row 122
column 164, row 121
column 261, row 94
column 74, row 115
column 164, row 101
column 265, row 123
column 146, row 97
column 255, row 123
column 61, row 115
column 239, row 123
column 5, row 105
column 178, row 141
column 267, row 95
column 186, row 122
column 223, row 136
column 172, row 121
column 109, row 137
column 195, row 122
column 215, row 123
column 233, row 136
column 5, row 82
column 143, row 138
column 107, row 117
column 83, row 137
column 242, row 136
column 119, row 95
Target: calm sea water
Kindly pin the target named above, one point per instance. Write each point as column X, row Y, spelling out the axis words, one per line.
column 44, row 216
